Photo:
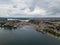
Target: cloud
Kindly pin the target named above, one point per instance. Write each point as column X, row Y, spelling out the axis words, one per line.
column 30, row 8
column 36, row 11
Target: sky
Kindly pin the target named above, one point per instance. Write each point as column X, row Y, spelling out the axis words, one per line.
column 29, row 8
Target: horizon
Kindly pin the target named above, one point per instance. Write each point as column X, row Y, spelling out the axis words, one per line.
column 29, row 22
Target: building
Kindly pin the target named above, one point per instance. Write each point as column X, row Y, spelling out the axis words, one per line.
column 3, row 19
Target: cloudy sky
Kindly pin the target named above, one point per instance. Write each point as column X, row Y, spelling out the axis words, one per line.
column 29, row 8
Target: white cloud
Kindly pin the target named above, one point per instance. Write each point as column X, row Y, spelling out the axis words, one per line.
column 4, row 9
column 36, row 11
column 29, row 7
column 20, row 7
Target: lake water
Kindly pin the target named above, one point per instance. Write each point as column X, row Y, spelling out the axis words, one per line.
column 26, row 35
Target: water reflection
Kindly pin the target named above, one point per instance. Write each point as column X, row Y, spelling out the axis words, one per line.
column 51, row 33
column 41, row 31
column 8, row 28
column 48, row 32
column 26, row 37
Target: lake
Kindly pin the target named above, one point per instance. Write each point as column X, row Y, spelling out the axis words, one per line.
column 26, row 35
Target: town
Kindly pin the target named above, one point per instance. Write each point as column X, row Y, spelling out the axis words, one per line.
column 46, row 24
